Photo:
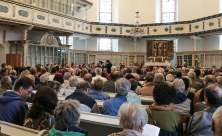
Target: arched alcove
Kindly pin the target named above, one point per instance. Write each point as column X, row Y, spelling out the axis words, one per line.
column 2, row 54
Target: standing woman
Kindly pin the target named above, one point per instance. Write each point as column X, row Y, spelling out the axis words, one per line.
column 40, row 115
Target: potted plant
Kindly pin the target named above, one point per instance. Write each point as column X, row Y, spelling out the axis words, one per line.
column 150, row 58
column 197, row 62
column 166, row 58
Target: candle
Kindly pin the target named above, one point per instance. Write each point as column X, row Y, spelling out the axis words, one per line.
column 162, row 58
column 154, row 59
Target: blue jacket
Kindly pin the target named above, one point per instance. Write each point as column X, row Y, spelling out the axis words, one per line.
column 13, row 108
column 98, row 95
column 133, row 97
column 111, row 106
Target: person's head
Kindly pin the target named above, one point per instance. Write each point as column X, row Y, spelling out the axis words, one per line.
column 73, row 81
column 164, row 94
column 186, row 82
column 120, row 75
column 67, row 114
column 209, row 79
column 6, row 82
column 9, row 67
column 98, row 71
column 32, row 78
column 88, row 77
column 38, row 69
column 58, row 78
column 98, row 84
column 134, row 84
column 132, row 116
column 179, row 85
column 43, row 71
column 139, row 71
column 178, row 74
column 122, row 86
column 113, row 69
column 55, row 85
column 136, row 76
column 45, row 100
column 144, row 72
column 44, row 78
column 197, row 71
column 206, row 72
column 64, row 71
column 217, row 122
column 67, row 76
column 219, row 80
column 24, row 87
column 12, row 72
column 83, row 73
column 114, row 75
column 129, row 76
column 53, row 70
column 150, row 74
column 33, row 71
column 171, row 71
column 149, row 79
column 129, row 70
column 159, row 78
column 192, row 75
column 84, row 86
column 47, row 65
column 3, row 65
column 213, row 95
column 161, row 70
column 170, row 78
column 57, row 68
column 4, row 71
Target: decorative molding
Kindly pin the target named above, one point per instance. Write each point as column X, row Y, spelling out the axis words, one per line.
column 4, row 9
column 23, row 13
column 40, row 17
column 55, row 20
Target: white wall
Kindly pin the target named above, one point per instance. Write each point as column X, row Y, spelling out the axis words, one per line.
column 93, row 12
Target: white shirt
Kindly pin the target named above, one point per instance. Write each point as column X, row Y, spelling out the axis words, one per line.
column 98, row 76
column 51, row 77
column 70, row 91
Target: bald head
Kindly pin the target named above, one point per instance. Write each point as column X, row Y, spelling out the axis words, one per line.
column 209, row 79
column 88, row 77
column 213, row 95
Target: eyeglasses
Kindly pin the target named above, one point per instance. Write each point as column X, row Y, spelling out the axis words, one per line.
column 29, row 92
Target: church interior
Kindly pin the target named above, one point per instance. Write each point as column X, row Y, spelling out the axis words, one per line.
column 129, row 67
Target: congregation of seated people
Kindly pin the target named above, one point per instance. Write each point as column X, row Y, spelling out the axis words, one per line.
column 187, row 101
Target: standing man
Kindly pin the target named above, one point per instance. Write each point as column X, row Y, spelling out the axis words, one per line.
column 108, row 66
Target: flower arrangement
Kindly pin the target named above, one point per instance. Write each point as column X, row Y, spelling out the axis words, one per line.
column 166, row 57
column 197, row 61
column 150, row 58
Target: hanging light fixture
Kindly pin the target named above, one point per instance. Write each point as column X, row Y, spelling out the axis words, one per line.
column 137, row 31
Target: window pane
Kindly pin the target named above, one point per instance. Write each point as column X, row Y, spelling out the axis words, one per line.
column 168, row 10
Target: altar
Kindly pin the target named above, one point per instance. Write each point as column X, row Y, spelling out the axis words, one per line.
column 157, row 64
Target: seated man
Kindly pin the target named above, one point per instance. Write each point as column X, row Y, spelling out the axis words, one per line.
column 109, row 85
column 200, row 122
column 148, row 88
column 43, row 81
column 217, row 122
column 111, row 107
column 196, row 85
column 97, row 93
column 98, row 72
column 181, row 103
column 6, row 83
column 81, row 94
column 13, row 103
column 88, row 78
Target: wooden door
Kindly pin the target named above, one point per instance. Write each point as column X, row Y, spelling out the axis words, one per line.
column 14, row 60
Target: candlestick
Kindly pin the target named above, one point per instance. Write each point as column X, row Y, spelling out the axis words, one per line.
column 162, row 58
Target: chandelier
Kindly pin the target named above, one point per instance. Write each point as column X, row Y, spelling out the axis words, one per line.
column 137, row 31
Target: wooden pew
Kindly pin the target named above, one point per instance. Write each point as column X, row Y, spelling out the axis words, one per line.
column 16, row 130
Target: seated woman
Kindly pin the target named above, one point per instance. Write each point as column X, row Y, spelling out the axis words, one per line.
column 39, row 116
column 132, row 95
column 169, row 79
column 158, row 79
column 67, row 119
column 132, row 119
column 160, row 113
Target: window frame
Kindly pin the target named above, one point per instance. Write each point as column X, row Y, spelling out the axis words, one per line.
column 168, row 12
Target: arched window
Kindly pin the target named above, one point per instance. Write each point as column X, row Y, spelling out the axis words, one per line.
column 105, row 16
column 168, row 11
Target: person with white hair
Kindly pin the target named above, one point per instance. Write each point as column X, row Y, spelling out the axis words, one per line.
column 159, row 78
column 6, row 83
column 169, row 79
column 73, row 81
column 181, row 103
column 111, row 106
column 196, row 85
column 219, row 80
column 217, row 122
column 98, row 73
column 43, row 81
column 113, row 69
column 161, row 70
column 133, row 117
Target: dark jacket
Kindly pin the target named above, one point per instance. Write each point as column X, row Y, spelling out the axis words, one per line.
column 39, row 85
column 164, row 133
column 108, row 67
column 13, row 108
column 84, row 99
column 37, row 80
column 109, row 86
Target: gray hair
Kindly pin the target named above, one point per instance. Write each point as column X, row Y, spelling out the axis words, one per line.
column 113, row 69
column 217, row 116
column 5, row 80
column 179, row 85
column 44, row 78
column 170, row 78
column 67, row 114
column 219, row 80
column 73, row 81
column 67, row 76
column 55, row 85
column 84, row 85
column 192, row 75
column 158, row 78
column 123, row 86
column 161, row 70
column 98, row 71
column 132, row 115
